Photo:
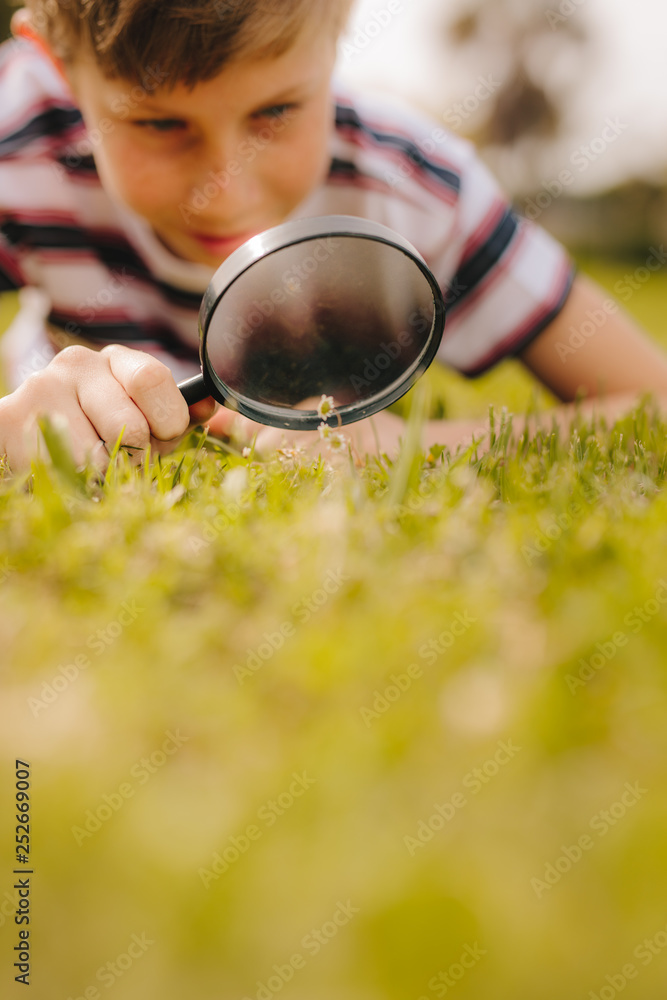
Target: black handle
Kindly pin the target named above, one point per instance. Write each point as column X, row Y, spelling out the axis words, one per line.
column 194, row 390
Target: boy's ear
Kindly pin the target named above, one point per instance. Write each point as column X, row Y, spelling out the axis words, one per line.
column 22, row 27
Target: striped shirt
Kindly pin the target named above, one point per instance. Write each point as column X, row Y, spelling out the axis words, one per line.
column 92, row 268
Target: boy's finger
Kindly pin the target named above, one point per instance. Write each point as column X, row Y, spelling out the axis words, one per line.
column 109, row 408
column 22, row 409
column 271, row 438
column 201, row 412
column 228, row 423
column 150, row 385
column 80, row 435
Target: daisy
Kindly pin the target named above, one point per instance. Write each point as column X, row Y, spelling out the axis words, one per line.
column 326, row 407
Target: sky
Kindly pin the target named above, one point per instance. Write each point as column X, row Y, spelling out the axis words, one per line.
column 624, row 77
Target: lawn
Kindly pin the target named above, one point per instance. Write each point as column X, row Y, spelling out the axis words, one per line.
column 389, row 733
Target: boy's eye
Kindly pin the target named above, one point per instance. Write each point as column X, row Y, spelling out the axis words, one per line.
column 277, row 111
column 161, row 124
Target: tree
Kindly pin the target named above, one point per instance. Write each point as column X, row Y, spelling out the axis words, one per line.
column 6, row 11
column 535, row 51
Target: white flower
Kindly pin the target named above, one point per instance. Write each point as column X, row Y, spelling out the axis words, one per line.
column 291, row 458
column 247, row 452
column 326, row 407
column 338, row 442
column 235, row 483
column 335, row 441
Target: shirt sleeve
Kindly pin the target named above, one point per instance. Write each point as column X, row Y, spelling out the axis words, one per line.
column 510, row 277
column 25, row 346
column 11, row 275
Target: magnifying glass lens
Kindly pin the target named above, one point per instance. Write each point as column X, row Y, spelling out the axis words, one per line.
column 343, row 316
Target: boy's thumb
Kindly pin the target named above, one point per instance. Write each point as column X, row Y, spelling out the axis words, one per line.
column 227, row 423
column 202, row 411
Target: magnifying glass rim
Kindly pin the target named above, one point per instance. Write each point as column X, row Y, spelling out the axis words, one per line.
column 281, row 237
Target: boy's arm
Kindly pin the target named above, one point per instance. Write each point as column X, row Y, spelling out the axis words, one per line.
column 593, row 344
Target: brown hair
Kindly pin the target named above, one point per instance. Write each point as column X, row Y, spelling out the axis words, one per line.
column 188, row 41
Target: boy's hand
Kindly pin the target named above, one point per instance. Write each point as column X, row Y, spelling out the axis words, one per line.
column 97, row 393
column 384, row 429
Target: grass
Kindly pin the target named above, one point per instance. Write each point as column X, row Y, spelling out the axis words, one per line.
column 460, row 655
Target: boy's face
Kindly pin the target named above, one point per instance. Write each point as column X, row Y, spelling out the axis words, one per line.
column 212, row 166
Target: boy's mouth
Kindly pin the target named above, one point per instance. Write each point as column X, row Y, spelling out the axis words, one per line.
column 223, row 245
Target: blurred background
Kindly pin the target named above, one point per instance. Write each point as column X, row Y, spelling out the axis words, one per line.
column 559, row 70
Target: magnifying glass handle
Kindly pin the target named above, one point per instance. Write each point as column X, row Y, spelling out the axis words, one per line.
column 194, row 390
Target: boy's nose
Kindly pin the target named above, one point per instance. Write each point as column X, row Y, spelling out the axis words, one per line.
column 219, row 179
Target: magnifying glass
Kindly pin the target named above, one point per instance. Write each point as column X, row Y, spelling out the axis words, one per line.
column 331, row 306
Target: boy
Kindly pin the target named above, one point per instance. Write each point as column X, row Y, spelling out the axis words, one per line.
column 207, row 123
